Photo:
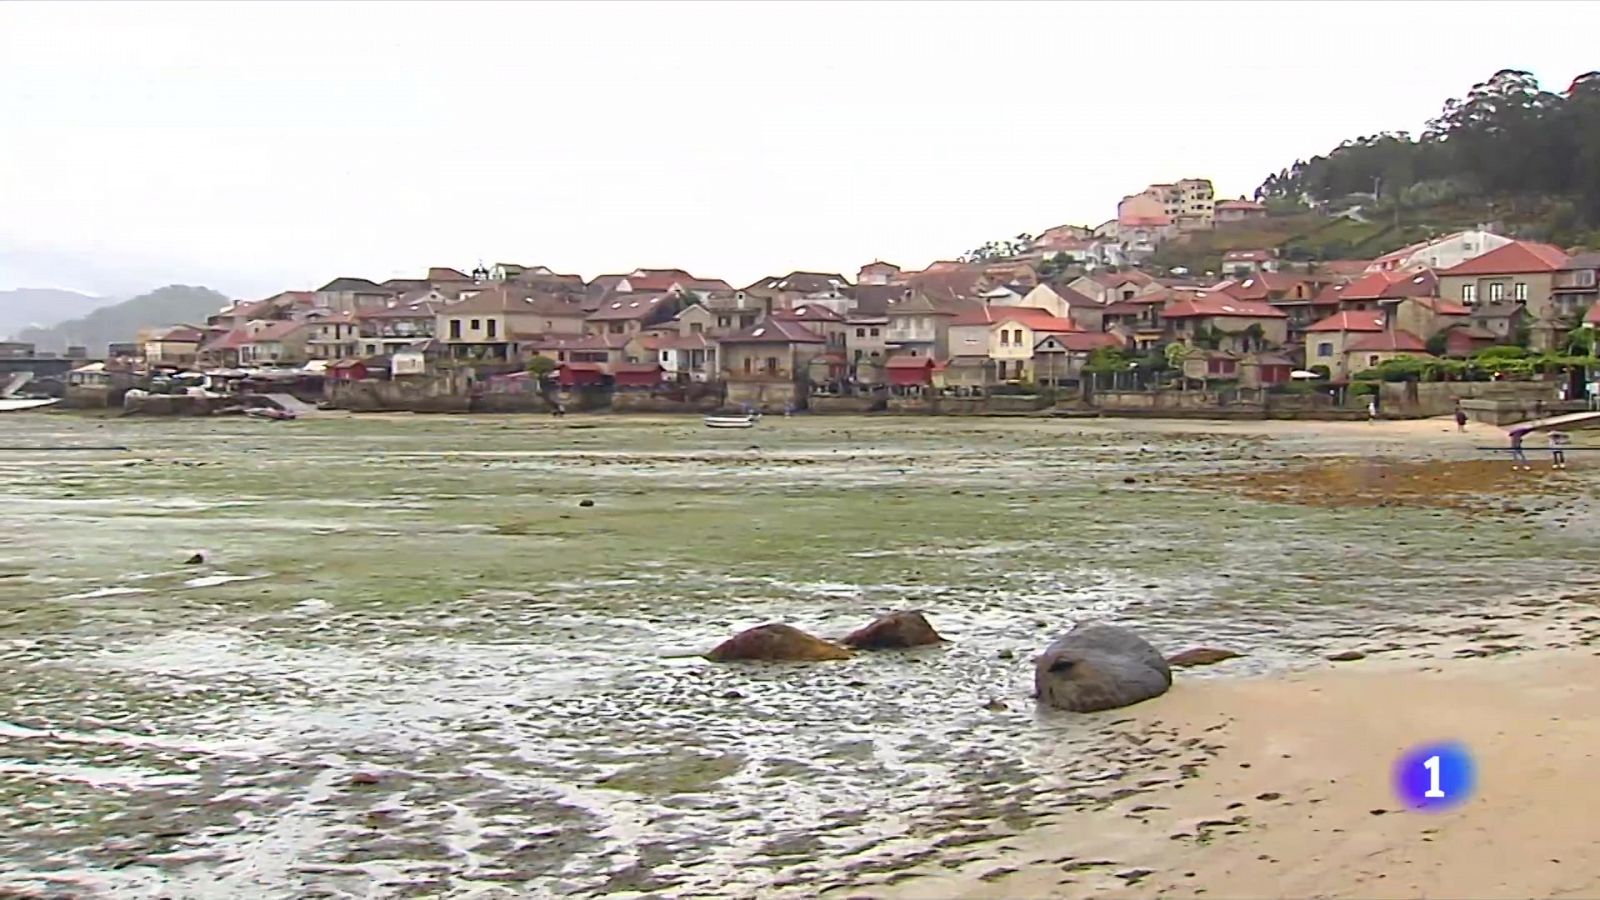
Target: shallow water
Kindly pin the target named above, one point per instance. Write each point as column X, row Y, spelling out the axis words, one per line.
column 423, row 602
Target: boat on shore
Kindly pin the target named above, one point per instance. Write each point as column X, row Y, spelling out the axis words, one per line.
column 18, row 404
column 746, row 421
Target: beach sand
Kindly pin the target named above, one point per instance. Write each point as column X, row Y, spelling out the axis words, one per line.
column 1287, row 789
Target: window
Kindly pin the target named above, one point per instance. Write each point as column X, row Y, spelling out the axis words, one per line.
column 859, row 354
column 476, row 325
column 494, row 327
column 617, row 328
column 1373, row 360
column 1469, row 294
column 1497, row 291
column 1325, row 348
column 874, row 331
column 696, row 327
column 861, row 332
column 455, row 329
column 1519, row 292
column 722, row 321
column 772, row 364
column 1005, row 338
column 1016, row 337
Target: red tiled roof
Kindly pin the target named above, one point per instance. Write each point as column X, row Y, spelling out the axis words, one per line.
column 1514, row 258
column 657, row 279
column 1350, row 320
column 809, row 312
column 180, row 334
column 1260, row 286
column 274, row 331
column 1441, row 306
column 909, row 362
column 625, row 307
column 1351, row 267
column 1036, row 319
column 1083, row 341
column 227, row 340
column 1392, row 341
column 775, row 331
column 1240, row 204
column 1384, row 286
column 1593, row 318
column 1211, row 305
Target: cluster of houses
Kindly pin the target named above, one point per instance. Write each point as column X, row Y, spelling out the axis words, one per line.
column 953, row 326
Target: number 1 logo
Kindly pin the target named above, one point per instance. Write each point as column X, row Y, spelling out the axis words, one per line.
column 1435, row 777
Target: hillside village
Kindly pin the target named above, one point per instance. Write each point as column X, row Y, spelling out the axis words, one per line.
column 1035, row 317
column 1051, row 315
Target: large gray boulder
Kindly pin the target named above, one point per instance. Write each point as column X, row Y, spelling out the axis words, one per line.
column 1097, row 666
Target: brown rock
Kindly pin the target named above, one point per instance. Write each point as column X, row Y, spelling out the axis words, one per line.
column 1200, row 656
column 1348, row 656
column 897, row 630
column 776, row 643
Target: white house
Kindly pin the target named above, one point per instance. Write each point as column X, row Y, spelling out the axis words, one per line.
column 1440, row 253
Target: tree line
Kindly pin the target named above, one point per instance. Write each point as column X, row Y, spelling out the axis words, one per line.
column 1508, row 136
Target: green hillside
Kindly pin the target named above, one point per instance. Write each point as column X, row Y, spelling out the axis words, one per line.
column 173, row 304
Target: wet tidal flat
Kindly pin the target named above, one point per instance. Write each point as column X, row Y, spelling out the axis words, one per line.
column 415, row 663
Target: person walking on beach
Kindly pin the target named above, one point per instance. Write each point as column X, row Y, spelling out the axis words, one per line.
column 1593, row 389
column 1519, row 459
column 1372, row 408
column 1558, row 449
column 1461, row 417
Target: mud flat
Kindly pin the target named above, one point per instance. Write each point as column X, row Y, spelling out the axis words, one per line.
column 445, row 656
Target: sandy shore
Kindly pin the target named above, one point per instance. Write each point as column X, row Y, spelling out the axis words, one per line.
column 1287, row 788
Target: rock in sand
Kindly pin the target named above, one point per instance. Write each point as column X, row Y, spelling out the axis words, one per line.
column 1200, row 656
column 776, row 643
column 195, row 560
column 895, row 631
column 1096, row 666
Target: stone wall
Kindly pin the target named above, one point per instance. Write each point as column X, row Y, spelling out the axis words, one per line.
column 1438, row 398
column 646, row 402
column 965, row 406
column 765, row 396
column 846, row 405
column 445, row 392
column 173, row 404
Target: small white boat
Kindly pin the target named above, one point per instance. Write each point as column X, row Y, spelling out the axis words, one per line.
column 10, row 404
column 731, row 421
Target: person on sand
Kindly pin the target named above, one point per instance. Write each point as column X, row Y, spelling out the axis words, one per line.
column 1558, row 449
column 1372, row 408
column 1519, row 459
column 1461, row 417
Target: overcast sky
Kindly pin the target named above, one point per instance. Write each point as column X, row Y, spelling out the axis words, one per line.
column 266, row 146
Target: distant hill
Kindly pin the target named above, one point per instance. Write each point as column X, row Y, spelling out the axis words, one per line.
column 42, row 307
column 121, row 322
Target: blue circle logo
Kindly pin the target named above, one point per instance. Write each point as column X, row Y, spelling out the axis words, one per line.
column 1435, row 777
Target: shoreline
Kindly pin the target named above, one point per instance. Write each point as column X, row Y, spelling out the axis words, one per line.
column 1280, row 784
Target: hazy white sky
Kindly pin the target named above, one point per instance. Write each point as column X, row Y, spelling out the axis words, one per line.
column 265, row 146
